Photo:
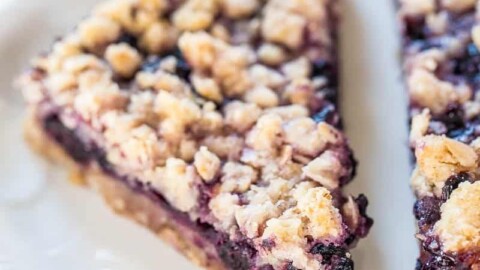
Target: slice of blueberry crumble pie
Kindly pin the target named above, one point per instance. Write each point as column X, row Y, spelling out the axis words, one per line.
column 442, row 69
column 211, row 122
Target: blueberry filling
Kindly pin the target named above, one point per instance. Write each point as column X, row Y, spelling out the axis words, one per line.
column 328, row 252
column 461, row 22
column 462, row 69
column 268, row 244
column 342, row 263
column 418, row 265
column 328, row 70
column 66, row 137
column 365, row 222
column 291, row 267
column 238, row 255
column 235, row 255
column 182, row 68
column 129, row 39
column 415, row 28
column 327, row 114
column 437, row 263
column 465, row 135
column 468, row 65
column 351, row 239
column 437, row 128
column 452, row 183
column 454, row 124
column 151, row 64
column 453, row 118
column 427, row 210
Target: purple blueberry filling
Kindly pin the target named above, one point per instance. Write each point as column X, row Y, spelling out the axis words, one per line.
column 291, row 267
column 182, row 69
column 328, row 252
column 327, row 114
column 334, row 257
column 66, row 137
column 453, row 118
column 461, row 69
column 151, row 64
column 415, row 28
column 452, row 183
column 129, row 39
column 235, row 255
column 239, row 254
column 427, row 211
column 328, row 70
column 365, row 222
column 437, row 263
column 454, row 124
column 342, row 263
column 122, row 64
column 419, row 37
column 467, row 66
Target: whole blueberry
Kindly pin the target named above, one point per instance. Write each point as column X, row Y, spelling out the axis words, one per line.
column 427, row 210
column 452, row 183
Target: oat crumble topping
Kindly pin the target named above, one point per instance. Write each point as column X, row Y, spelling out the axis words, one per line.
column 461, row 232
column 441, row 64
column 227, row 96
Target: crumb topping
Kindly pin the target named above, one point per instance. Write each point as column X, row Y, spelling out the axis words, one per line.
column 442, row 56
column 177, row 182
column 459, row 225
column 419, row 126
column 458, row 5
column 210, row 103
column 124, row 59
column 414, row 7
column 97, row 32
column 236, row 9
column 207, row 164
column 430, row 92
column 159, row 37
column 314, row 207
column 324, row 169
column 195, row 15
column 439, row 157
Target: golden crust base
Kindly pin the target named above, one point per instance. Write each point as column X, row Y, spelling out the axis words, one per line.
column 120, row 198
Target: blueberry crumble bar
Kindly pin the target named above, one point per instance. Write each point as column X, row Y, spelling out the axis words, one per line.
column 442, row 69
column 213, row 123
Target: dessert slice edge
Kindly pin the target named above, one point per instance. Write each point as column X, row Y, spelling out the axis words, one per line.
column 121, row 198
column 209, row 125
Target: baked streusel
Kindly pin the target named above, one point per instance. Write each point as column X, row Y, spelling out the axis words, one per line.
column 442, row 69
column 220, row 112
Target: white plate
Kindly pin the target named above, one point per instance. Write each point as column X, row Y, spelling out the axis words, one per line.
column 45, row 223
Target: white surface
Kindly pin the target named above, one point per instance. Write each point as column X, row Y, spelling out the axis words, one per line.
column 47, row 224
